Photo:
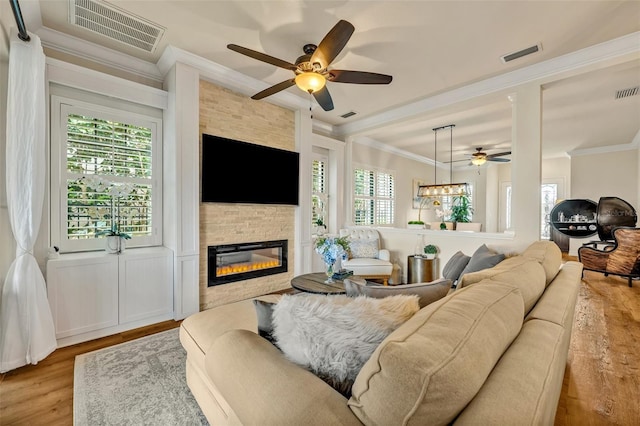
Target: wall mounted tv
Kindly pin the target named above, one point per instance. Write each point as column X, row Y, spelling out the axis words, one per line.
column 241, row 172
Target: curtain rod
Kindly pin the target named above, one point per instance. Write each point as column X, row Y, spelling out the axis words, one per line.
column 22, row 30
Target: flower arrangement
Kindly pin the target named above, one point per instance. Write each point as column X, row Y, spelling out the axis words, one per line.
column 116, row 191
column 332, row 248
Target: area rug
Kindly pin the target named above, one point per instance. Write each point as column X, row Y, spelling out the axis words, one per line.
column 141, row 382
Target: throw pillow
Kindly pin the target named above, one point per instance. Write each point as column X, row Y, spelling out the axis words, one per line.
column 364, row 249
column 333, row 336
column 482, row 258
column 264, row 314
column 427, row 292
column 455, row 266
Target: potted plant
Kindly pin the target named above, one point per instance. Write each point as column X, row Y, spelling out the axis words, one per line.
column 415, row 224
column 321, row 228
column 430, row 251
column 461, row 209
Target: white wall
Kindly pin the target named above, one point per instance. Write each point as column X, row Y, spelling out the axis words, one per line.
column 7, row 243
column 405, row 171
column 613, row 174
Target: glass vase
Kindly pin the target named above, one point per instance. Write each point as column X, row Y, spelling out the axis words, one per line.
column 329, row 273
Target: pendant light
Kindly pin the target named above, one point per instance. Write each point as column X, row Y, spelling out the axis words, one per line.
column 436, row 190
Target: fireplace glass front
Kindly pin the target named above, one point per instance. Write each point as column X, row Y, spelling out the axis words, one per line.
column 237, row 262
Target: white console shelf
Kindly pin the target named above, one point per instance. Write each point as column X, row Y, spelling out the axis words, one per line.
column 97, row 294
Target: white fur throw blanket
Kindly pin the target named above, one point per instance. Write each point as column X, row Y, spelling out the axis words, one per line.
column 333, row 336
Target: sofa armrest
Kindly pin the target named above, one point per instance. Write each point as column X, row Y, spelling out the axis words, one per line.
column 263, row 387
column 384, row 254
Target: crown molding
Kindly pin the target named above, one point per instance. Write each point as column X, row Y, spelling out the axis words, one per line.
column 617, row 50
column 89, row 51
column 633, row 145
column 370, row 142
column 98, row 82
column 226, row 77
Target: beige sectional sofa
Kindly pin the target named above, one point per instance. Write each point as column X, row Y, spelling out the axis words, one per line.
column 492, row 352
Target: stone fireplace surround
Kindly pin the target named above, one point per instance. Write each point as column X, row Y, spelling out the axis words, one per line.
column 235, row 116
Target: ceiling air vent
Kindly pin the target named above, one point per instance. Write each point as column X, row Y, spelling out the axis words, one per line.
column 625, row 93
column 348, row 114
column 521, row 53
column 115, row 23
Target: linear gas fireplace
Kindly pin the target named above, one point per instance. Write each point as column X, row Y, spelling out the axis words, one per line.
column 237, row 262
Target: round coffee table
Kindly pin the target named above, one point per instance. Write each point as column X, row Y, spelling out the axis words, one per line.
column 315, row 283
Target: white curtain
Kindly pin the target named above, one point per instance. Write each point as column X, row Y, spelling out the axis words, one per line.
column 27, row 334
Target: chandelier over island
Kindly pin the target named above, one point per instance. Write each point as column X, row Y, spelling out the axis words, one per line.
column 437, row 190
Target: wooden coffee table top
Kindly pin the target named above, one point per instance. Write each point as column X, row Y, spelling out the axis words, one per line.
column 314, row 283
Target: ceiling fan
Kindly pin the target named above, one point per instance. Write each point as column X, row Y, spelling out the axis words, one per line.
column 311, row 69
column 479, row 157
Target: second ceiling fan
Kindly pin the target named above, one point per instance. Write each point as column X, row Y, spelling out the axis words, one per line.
column 479, row 157
column 311, row 69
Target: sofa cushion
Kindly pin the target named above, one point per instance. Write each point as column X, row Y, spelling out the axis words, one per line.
column 427, row 292
column 333, row 336
column 455, row 266
column 558, row 302
column 527, row 381
column 525, row 274
column 198, row 331
column 548, row 254
column 433, row 365
column 366, row 266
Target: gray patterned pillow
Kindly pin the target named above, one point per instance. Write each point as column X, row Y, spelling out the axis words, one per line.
column 364, row 249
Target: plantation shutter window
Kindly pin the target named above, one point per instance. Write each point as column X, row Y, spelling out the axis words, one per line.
column 109, row 177
column 373, row 200
column 319, row 196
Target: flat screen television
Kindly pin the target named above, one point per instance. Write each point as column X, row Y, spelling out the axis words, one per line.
column 242, row 172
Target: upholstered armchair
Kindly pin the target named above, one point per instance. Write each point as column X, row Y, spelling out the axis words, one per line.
column 623, row 259
column 367, row 258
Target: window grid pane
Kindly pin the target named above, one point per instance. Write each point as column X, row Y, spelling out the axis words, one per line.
column 374, row 200
column 120, row 153
column 319, row 192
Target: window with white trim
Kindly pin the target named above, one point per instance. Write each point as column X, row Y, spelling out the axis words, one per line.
column 106, row 173
column 319, row 190
column 374, row 197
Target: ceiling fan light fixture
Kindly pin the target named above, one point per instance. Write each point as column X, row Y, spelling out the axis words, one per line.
column 478, row 161
column 310, row 81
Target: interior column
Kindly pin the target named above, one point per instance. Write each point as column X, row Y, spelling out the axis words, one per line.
column 526, row 154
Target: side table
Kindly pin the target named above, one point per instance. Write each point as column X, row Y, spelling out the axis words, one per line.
column 421, row 270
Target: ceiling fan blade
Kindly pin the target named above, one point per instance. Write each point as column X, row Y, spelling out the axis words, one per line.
column 333, row 43
column 498, row 160
column 500, row 154
column 324, row 98
column 274, row 89
column 262, row 57
column 358, row 77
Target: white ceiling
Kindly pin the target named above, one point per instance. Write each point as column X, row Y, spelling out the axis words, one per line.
column 429, row 47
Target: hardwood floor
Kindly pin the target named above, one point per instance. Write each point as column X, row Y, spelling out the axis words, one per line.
column 602, row 379
column 42, row 394
column 601, row 384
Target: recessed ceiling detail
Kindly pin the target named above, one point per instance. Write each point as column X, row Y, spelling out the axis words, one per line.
column 625, row 93
column 115, row 23
column 520, row 53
